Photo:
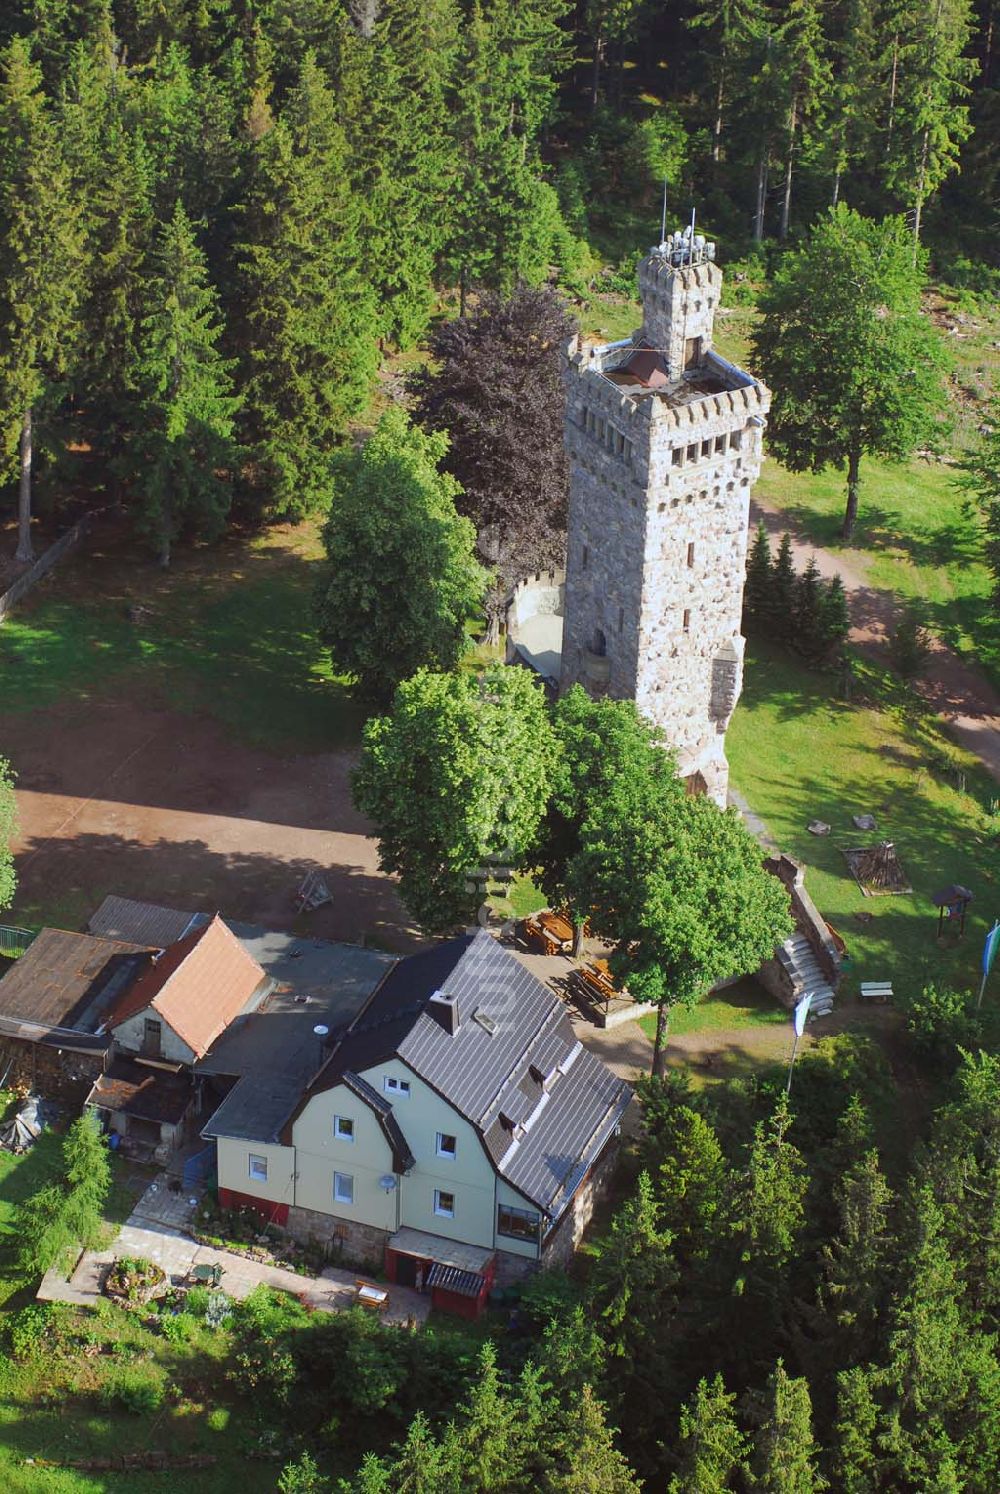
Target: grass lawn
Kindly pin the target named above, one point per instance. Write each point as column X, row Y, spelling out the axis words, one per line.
column 913, row 538
column 228, row 633
column 798, row 754
column 742, row 1005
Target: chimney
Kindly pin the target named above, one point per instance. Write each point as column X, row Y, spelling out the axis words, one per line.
column 444, row 1009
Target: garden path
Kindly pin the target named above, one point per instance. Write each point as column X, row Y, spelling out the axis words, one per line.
column 148, row 1236
column 964, row 700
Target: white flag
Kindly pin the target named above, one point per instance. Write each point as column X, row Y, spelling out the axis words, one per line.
column 801, row 1013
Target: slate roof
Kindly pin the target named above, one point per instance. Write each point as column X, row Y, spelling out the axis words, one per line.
column 142, row 923
column 198, row 985
column 69, row 980
column 540, row 1137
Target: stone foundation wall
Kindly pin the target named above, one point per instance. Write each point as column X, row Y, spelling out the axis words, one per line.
column 361, row 1243
column 565, row 1239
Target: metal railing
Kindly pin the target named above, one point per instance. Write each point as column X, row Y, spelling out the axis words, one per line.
column 14, row 941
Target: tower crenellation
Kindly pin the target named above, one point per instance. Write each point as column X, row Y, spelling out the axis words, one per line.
column 664, row 438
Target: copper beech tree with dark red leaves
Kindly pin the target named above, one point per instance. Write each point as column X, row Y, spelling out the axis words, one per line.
column 495, row 387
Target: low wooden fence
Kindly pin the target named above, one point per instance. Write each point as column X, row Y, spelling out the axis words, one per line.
column 19, row 588
column 14, row 941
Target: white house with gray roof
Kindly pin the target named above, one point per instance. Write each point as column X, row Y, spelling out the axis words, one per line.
column 456, row 1126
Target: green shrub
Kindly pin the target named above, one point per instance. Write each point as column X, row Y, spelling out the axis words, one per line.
column 940, row 1021
column 197, row 1301
column 217, row 1419
column 29, row 1330
column 910, row 644
column 177, row 1327
column 133, row 1389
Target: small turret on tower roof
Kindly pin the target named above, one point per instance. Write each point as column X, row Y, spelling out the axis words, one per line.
column 680, row 285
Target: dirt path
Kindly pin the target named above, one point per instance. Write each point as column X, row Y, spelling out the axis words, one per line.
column 117, row 796
column 966, row 702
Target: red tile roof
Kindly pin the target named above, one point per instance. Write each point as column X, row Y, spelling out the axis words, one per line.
column 197, row 986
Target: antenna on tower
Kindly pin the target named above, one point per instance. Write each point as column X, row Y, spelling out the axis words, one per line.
column 691, row 240
column 663, row 221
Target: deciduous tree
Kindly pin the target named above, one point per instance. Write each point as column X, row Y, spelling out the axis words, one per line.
column 855, row 366
column 454, row 780
column 401, row 582
column 496, row 388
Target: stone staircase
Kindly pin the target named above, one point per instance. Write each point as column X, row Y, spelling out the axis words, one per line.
column 799, row 961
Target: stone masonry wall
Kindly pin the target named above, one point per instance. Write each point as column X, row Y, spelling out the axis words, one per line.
column 359, row 1242
column 658, row 519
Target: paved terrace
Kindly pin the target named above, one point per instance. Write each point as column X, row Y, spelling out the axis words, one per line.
column 156, row 1231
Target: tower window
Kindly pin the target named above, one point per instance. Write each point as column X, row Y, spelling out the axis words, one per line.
column 692, row 453
column 585, row 558
column 599, row 644
column 677, row 456
column 691, row 554
column 687, row 619
column 627, row 453
column 735, row 440
column 621, row 618
column 706, row 448
column 720, row 443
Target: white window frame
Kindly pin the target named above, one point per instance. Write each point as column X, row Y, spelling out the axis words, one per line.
column 442, row 1150
column 340, row 1121
column 261, row 1161
column 339, row 1196
column 394, row 1086
column 439, row 1207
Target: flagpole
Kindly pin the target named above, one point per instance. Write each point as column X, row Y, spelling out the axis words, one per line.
column 795, row 1048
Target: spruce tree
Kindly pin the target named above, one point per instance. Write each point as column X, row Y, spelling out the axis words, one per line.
column 807, row 612
column 784, row 1457
column 801, row 48
column 712, row 1448
column 587, row 1460
column 182, row 453
column 305, row 322
column 931, row 116
column 691, row 1180
column 855, row 1456
column 780, row 605
column 834, row 618
column 851, row 122
column 854, row 1282
column 40, row 263
column 757, row 592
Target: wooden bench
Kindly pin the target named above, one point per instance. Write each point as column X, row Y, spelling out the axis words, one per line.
column 876, row 990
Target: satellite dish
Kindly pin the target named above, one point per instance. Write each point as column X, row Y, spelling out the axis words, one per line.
column 387, row 1181
column 321, row 1031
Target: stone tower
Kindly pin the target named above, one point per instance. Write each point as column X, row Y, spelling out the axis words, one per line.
column 664, row 441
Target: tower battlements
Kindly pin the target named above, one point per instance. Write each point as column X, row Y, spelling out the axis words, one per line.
column 664, row 438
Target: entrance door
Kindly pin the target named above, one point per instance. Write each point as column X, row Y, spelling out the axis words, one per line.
column 406, row 1270
column 692, row 352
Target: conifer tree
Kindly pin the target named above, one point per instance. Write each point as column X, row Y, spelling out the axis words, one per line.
column 780, row 607
column 40, row 261
column 757, row 592
column 180, row 460
column 982, row 481
column 587, row 1460
column 729, row 26
column 633, row 1280
column 807, row 612
column 784, row 1458
column 851, row 124
column 712, row 1447
column 931, row 116
column 855, row 1432
column 691, row 1182
column 805, row 81
column 834, row 617
column 854, row 1282
column 305, row 322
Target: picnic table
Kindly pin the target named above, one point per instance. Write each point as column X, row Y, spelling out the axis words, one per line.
column 550, row 932
column 594, row 980
column 373, row 1297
